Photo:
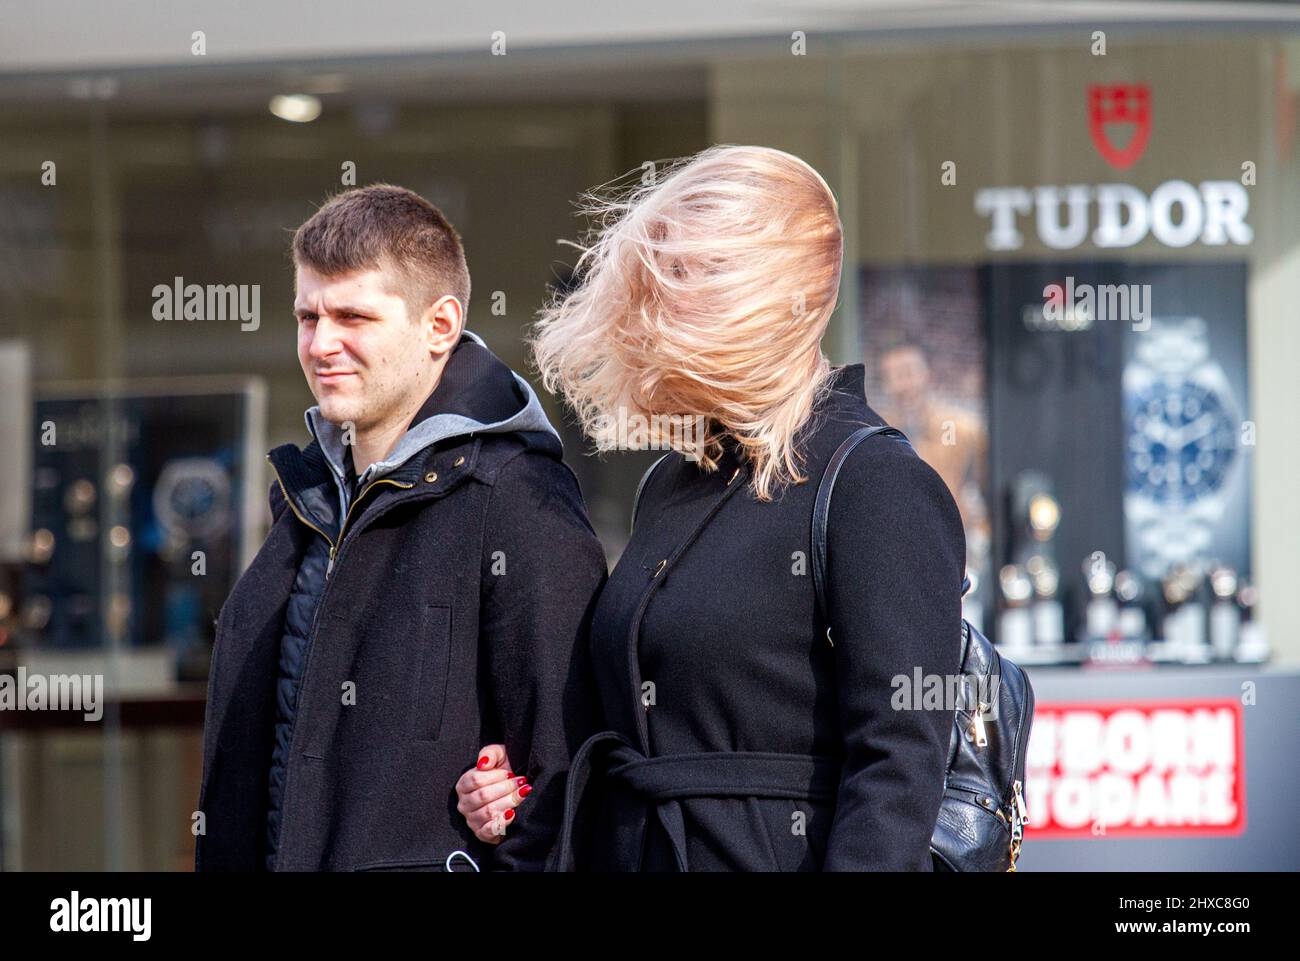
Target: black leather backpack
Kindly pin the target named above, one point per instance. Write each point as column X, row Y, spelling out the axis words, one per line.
column 982, row 815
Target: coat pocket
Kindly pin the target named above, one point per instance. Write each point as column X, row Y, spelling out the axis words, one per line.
column 429, row 698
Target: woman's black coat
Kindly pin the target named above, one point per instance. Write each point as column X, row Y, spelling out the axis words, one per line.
column 769, row 747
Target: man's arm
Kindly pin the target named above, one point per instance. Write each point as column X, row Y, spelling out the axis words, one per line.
column 543, row 569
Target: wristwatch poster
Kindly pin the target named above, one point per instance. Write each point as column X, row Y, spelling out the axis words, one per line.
column 1187, row 446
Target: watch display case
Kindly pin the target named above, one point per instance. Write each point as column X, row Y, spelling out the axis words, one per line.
column 143, row 512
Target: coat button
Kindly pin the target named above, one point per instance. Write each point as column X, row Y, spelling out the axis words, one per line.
column 458, row 462
column 430, row 477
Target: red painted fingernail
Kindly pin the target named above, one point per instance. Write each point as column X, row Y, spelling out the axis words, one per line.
column 526, row 790
column 510, row 773
column 483, row 762
column 521, row 781
column 510, row 814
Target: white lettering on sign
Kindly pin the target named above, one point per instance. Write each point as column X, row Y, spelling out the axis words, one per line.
column 1135, row 769
column 1176, row 214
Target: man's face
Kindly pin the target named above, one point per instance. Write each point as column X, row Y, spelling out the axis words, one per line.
column 905, row 376
column 364, row 359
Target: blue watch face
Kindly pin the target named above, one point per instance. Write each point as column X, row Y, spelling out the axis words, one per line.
column 192, row 498
column 1181, row 441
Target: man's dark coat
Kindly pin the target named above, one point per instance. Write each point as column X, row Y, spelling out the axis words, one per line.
column 455, row 614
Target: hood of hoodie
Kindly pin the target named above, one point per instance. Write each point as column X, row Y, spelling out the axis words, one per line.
column 477, row 394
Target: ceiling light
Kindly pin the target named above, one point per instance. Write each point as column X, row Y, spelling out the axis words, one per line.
column 296, row 107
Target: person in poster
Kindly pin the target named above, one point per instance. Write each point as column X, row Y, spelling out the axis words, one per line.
column 949, row 438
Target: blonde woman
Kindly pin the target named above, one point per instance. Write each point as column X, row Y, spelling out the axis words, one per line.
column 738, row 735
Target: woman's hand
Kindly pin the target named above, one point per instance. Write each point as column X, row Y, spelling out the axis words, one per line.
column 489, row 793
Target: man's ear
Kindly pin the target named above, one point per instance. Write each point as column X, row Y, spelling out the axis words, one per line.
column 441, row 325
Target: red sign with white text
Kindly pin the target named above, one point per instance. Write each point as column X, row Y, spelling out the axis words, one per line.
column 1143, row 768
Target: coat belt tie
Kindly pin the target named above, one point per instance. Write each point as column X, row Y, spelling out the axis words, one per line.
column 664, row 780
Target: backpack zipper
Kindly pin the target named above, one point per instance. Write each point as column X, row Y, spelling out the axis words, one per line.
column 977, row 725
column 1019, row 818
column 1019, row 813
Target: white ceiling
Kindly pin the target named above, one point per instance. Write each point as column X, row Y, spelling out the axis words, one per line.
column 137, row 53
column 63, row 35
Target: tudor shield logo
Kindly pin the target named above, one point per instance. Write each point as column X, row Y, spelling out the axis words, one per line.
column 1113, row 107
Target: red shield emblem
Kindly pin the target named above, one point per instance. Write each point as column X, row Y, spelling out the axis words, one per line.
column 1112, row 106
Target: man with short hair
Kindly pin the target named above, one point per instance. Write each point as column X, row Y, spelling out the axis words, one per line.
column 951, row 440
column 425, row 587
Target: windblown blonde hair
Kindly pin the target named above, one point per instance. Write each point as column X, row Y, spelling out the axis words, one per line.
column 704, row 293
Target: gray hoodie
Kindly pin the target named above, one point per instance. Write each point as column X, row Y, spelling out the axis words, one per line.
column 478, row 394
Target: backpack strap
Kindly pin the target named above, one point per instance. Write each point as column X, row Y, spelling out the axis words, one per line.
column 636, row 498
column 822, row 510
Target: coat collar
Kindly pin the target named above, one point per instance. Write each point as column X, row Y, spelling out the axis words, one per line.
column 477, row 394
column 307, row 485
column 848, row 390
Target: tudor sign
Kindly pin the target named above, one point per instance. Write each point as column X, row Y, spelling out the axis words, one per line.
column 1117, row 215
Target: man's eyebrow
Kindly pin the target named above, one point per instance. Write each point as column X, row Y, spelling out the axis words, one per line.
column 339, row 309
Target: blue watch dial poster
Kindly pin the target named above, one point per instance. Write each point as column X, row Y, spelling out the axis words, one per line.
column 1126, row 384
